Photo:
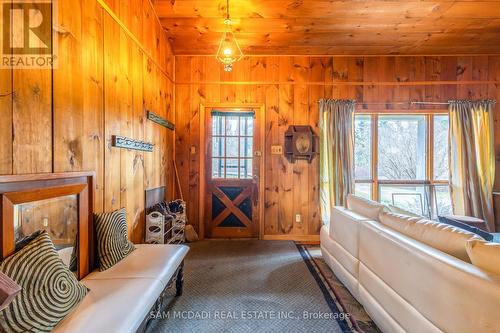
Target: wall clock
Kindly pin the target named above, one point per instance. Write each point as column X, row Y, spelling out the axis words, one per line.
column 300, row 143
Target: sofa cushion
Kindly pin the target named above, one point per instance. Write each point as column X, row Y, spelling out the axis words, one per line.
column 398, row 210
column 453, row 295
column 398, row 222
column 112, row 238
column 349, row 262
column 344, row 228
column 49, row 289
column 368, row 208
column 440, row 236
column 147, row 261
column 484, row 255
column 391, row 302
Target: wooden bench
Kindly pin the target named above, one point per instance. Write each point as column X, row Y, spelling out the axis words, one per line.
column 122, row 298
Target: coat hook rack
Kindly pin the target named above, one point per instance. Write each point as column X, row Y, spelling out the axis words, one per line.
column 160, row 121
column 127, row 143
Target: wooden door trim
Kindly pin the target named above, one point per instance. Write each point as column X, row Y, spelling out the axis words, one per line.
column 259, row 109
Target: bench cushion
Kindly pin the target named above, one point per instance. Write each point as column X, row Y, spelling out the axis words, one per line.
column 147, row 261
column 114, row 305
column 121, row 297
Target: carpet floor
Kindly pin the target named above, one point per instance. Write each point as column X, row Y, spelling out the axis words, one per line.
column 252, row 286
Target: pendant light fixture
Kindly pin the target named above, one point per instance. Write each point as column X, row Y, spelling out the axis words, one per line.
column 229, row 50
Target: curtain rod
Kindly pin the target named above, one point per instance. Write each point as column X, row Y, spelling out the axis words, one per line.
column 405, row 103
column 409, row 103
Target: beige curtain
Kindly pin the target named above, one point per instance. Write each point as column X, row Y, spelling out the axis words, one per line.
column 472, row 159
column 336, row 153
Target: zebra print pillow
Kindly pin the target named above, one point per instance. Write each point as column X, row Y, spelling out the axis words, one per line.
column 112, row 238
column 50, row 290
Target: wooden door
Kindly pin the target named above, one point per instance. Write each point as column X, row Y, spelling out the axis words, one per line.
column 232, row 174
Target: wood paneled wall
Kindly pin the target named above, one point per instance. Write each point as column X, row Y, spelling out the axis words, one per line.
column 114, row 65
column 290, row 88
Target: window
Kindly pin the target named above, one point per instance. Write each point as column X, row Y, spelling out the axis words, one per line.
column 363, row 156
column 441, row 167
column 401, row 147
column 232, row 145
column 402, row 160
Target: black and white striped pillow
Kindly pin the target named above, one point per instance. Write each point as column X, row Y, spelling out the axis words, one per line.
column 112, row 238
column 50, row 290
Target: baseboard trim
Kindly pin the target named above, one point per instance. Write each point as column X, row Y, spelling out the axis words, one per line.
column 313, row 239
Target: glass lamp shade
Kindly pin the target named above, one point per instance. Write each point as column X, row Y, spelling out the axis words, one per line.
column 229, row 50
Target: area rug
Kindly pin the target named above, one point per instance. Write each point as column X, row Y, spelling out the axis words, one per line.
column 251, row 286
column 335, row 291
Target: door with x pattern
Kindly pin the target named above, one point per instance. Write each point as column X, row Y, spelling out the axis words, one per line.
column 232, row 174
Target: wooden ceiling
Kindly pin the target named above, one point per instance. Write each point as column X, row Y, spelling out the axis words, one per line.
column 335, row 27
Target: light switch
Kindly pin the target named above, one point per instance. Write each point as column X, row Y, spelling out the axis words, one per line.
column 298, row 218
column 276, row 150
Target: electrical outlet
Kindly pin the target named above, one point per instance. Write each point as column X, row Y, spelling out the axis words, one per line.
column 193, row 150
column 298, row 218
column 45, row 222
column 276, row 150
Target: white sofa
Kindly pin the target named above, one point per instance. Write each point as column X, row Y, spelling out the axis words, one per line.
column 405, row 284
column 121, row 298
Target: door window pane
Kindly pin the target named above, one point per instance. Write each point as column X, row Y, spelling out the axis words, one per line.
column 362, row 148
column 246, row 126
column 232, row 147
column 232, row 168
column 246, row 147
column 232, row 125
column 441, row 127
column 218, row 146
column 217, row 168
column 218, row 125
column 246, row 168
column 363, row 190
column 402, row 147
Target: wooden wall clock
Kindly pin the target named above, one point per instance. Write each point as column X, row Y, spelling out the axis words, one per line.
column 300, row 143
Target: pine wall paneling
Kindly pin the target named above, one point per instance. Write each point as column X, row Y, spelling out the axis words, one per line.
column 290, row 87
column 6, row 121
column 113, row 66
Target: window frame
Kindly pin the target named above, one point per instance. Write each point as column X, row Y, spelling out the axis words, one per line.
column 240, row 114
column 429, row 180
